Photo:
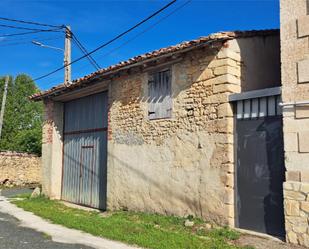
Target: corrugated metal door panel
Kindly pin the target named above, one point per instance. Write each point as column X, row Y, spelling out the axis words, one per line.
column 86, row 175
column 86, row 113
column 98, row 194
column 102, row 160
column 71, row 170
column 85, row 151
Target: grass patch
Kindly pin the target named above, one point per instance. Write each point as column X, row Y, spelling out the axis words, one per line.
column 146, row 230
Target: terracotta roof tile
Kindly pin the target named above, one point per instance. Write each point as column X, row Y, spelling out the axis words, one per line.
column 220, row 36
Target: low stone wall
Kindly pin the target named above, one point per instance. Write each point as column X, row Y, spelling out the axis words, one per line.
column 296, row 202
column 18, row 169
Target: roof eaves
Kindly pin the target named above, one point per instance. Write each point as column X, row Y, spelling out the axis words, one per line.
column 179, row 48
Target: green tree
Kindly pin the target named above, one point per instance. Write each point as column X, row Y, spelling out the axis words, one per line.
column 22, row 126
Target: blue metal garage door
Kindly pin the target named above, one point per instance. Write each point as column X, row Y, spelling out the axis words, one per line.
column 85, row 151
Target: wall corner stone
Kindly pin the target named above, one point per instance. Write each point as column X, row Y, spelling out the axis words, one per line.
column 303, row 26
column 303, row 72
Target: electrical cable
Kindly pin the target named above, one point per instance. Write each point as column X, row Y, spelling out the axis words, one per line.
column 31, row 22
column 84, row 51
column 88, row 57
column 142, row 32
column 42, row 38
column 147, row 29
column 17, row 27
column 110, row 41
column 31, row 32
column 27, row 42
column 78, row 43
column 139, row 34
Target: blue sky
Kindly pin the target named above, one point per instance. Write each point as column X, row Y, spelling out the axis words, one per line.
column 96, row 21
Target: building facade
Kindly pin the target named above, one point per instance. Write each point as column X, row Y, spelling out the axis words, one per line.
column 166, row 132
column 216, row 127
column 295, row 96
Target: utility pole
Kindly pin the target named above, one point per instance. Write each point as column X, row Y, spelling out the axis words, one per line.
column 66, row 51
column 3, row 102
column 67, row 55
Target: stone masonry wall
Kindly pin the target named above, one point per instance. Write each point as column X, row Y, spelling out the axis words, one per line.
column 52, row 149
column 19, row 169
column 184, row 164
column 47, row 140
column 181, row 165
column 295, row 88
column 296, row 204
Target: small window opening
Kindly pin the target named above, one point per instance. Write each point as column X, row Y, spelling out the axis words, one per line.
column 159, row 95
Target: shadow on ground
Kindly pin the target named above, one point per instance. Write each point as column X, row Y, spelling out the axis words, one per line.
column 13, row 236
column 263, row 243
column 11, row 192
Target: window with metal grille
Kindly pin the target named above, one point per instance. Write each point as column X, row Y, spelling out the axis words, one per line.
column 159, row 94
column 259, row 107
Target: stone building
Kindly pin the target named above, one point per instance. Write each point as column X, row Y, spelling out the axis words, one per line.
column 192, row 129
column 295, row 96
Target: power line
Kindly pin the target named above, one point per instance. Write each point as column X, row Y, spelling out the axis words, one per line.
column 142, row 32
column 88, row 57
column 147, row 29
column 42, row 38
column 27, row 42
column 26, row 38
column 31, row 32
column 84, row 51
column 31, row 22
column 110, row 41
column 16, row 27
